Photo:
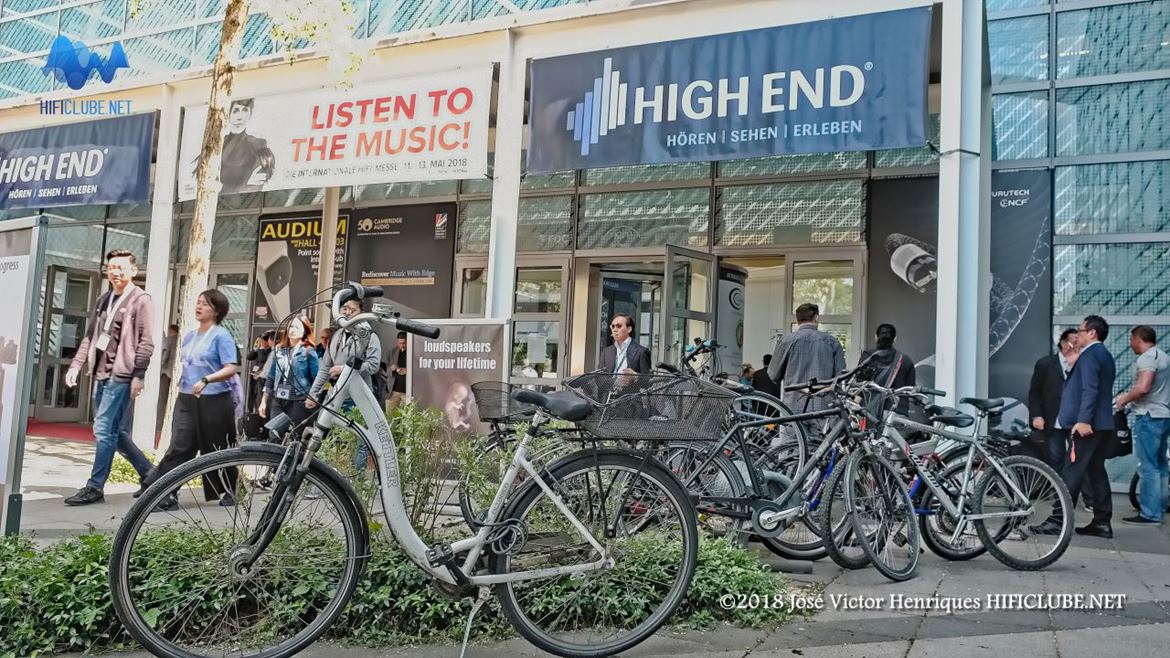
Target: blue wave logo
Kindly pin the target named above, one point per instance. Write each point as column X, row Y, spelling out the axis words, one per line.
column 73, row 63
column 602, row 110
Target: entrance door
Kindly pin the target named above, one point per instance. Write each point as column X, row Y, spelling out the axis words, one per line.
column 834, row 284
column 234, row 280
column 71, row 294
column 539, row 327
column 689, row 300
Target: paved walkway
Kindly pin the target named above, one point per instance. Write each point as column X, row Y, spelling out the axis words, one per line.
column 1135, row 564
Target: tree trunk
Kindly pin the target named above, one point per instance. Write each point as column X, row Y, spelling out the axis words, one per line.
column 208, row 186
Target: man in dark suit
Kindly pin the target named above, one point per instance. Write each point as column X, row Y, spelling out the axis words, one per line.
column 762, row 382
column 1086, row 415
column 1044, row 397
column 625, row 355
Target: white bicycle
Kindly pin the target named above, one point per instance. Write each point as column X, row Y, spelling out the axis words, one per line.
column 268, row 577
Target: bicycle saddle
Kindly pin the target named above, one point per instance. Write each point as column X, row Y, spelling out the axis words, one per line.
column 565, row 405
column 985, row 405
column 949, row 416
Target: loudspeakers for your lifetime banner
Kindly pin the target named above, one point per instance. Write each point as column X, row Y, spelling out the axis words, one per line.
column 441, row 371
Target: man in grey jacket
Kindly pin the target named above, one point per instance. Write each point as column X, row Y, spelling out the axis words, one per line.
column 115, row 352
column 807, row 353
column 343, row 347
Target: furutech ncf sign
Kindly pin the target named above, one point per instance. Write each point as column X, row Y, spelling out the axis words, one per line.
column 848, row 84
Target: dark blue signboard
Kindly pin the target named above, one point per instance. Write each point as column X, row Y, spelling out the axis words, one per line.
column 847, row 84
column 95, row 162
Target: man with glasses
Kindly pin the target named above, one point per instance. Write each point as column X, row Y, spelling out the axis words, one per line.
column 115, row 351
column 625, row 355
column 1048, row 378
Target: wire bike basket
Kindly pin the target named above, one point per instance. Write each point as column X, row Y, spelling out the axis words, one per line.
column 653, row 407
column 495, row 403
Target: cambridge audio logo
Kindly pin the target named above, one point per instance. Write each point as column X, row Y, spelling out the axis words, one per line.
column 73, row 63
column 603, row 110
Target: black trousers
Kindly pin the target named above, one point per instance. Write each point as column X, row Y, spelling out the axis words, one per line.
column 201, row 425
column 1088, row 473
column 295, row 409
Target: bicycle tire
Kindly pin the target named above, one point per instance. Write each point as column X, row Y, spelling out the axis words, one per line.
column 997, row 548
column 841, row 537
column 333, row 488
column 871, row 472
column 499, row 449
column 934, row 536
column 681, row 453
column 802, row 539
column 559, row 477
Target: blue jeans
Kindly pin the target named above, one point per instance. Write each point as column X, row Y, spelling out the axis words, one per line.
column 111, row 431
column 1149, row 445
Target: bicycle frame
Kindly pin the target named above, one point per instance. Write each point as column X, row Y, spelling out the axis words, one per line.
column 384, row 449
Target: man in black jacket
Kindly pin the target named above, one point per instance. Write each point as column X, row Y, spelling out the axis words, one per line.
column 762, row 382
column 625, row 355
column 1044, row 396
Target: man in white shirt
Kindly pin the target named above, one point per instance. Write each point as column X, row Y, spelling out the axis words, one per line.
column 1149, row 402
column 625, row 355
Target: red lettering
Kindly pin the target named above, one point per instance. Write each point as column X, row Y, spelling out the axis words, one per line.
column 418, row 139
column 404, row 106
column 460, row 100
column 316, row 124
column 444, row 143
column 381, row 109
column 297, row 148
column 369, row 143
column 436, row 100
column 344, row 114
column 392, row 148
column 337, row 146
column 365, row 104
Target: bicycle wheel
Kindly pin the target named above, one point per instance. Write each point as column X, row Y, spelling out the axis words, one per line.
column 844, row 548
column 642, row 516
column 1045, row 499
column 801, row 540
column 938, row 526
column 882, row 514
column 486, row 463
column 179, row 579
column 718, row 478
column 788, row 439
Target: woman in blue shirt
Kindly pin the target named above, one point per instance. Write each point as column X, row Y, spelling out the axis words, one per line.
column 204, row 418
column 291, row 371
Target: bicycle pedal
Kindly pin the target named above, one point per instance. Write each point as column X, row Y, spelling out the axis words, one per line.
column 900, row 539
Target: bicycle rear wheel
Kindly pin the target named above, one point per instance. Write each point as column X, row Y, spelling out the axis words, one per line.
column 1045, row 500
column 644, row 519
column 938, row 526
column 719, row 478
column 841, row 544
column 882, row 514
column 182, row 586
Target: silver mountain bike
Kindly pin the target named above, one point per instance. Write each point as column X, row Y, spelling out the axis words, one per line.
column 268, row 576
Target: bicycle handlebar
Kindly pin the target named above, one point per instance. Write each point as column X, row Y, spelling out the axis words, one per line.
column 353, row 290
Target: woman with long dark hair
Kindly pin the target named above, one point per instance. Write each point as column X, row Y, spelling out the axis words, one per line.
column 204, row 418
column 292, row 369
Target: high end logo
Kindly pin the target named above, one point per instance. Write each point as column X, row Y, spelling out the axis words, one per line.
column 73, row 63
column 608, row 107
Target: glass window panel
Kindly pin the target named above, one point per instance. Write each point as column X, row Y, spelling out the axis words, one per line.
column 160, row 15
column 828, row 284
column 1111, row 279
column 160, row 53
column 680, row 333
column 380, row 191
column 206, row 44
column 791, row 213
column 1130, row 197
column 74, row 246
column 129, row 236
column 394, row 16
column 290, row 198
column 257, row 37
column 79, row 213
column 476, row 186
column 792, row 164
column 1118, row 345
column 1115, row 39
column 1018, row 49
column 474, row 227
column 24, row 6
column 209, row 8
column 920, row 156
column 536, row 349
column 24, row 76
column 644, row 219
column 474, row 300
column 648, row 173
column 545, row 224
column 690, row 285
column 1020, row 125
column 1004, row 5
column 28, row 35
column 234, row 239
column 538, row 290
column 548, row 181
column 128, row 210
column 1117, row 118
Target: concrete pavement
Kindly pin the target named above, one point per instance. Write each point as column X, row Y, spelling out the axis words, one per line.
column 1135, row 565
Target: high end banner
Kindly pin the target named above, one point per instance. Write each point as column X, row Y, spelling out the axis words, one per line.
column 442, row 370
column 432, row 127
column 409, row 251
column 287, row 262
column 93, row 162
column 904, row 266
column 848, row 84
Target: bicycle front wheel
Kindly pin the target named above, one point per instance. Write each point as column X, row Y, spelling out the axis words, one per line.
column 180, row 579
column 642, row 517
column 882, row 515
column 843, row 547
column 1037, row 514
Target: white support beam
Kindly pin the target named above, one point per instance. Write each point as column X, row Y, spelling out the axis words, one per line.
column 501, row 274
column 158, row 251
column 961, row 347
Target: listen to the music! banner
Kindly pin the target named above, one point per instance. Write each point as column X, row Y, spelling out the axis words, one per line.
column 432, row 127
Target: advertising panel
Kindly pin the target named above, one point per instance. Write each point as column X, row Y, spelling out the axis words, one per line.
column 287, row 262
column 442, row 370
column 849, row 84
column 432, row 127
column 93, row 162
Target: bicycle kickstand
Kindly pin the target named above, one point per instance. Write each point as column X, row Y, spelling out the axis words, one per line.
column 482, row 598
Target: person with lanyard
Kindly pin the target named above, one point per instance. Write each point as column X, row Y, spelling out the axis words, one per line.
column 342, row 348
column 204, row 416
column 115, row 352
column 292, row 370
column 625, row 355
